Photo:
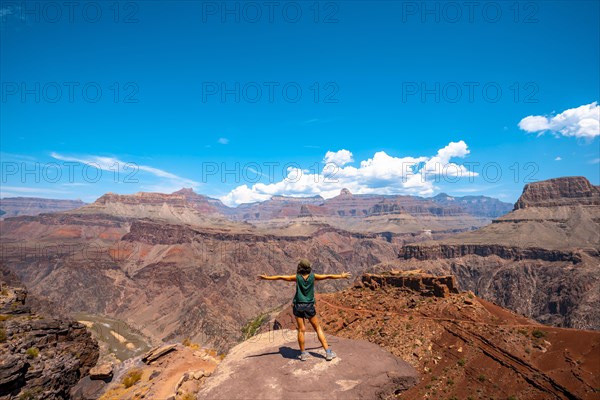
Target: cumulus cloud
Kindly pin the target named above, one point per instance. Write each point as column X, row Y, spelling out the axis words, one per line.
column 339, row 158
column 581, row 122
column 383, row 174
column 558, row 158
column 223, row 141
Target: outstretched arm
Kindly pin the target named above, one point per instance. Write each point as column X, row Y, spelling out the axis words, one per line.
column 344, row 275
column 289, row 278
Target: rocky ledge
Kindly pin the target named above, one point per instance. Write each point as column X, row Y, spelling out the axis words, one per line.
column 437, row 251
column 425, row 284
column 40, row 358
column 267, row 367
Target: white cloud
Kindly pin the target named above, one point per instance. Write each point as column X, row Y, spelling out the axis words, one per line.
column 339, row 158
column 243, row 194
column 223, row 141
column 382, row 174
column 558, row 158
column 112, row 164
column 16, row 191
column 581, row 122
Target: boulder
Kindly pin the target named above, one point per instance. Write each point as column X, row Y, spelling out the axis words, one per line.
column 158, row 352
column 102, row 372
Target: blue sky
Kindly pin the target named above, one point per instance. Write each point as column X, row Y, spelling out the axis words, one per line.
column 243, row 100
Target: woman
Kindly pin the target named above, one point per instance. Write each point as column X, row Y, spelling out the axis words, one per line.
column 304, row 303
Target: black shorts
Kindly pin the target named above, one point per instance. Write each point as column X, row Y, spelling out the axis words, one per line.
column 304, row 310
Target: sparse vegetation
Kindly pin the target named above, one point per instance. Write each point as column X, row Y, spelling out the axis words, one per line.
column 523, row 332
column 527, row 350
column 450, row 381
column 434, row 378
column 461, row 362
column 252, row 326
column 3, row 336
column 30, row 394
column 188, row 396
column 512, row 397
column 4, row 317
column 4, row 292
column 187, row 342
column 481, row 378
column 132, row 377
column 538, row 334
column 32, row 352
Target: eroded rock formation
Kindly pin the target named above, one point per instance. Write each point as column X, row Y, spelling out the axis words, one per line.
column 40, row 357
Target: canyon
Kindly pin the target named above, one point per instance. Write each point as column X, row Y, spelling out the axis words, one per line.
column 183, row 266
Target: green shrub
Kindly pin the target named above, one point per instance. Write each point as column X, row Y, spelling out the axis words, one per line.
column 33, row 352
column 252, row 326
column 461, row 362
column 132, row 377
column 482, row 378
column 538, row 333
column 450, row 381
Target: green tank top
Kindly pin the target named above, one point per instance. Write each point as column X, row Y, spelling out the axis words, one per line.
column 305, row 289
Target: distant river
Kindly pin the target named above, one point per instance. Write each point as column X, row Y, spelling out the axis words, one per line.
column 121, row 339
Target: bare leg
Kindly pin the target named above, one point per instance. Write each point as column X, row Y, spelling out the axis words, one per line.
column 301, row 330
column 314, row 321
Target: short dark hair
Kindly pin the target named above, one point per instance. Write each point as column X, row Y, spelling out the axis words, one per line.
column 304, row 267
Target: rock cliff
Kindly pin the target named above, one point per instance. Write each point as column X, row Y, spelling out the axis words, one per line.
column 540, row 260
column 566, row 191
column 16, row 206
column 41, row 358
